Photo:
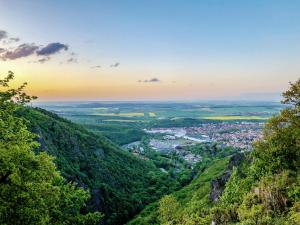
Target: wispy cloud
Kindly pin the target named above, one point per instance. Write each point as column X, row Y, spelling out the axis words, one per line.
column 6, row 39
column 96, row 67
column 115, row 64
column 152, row 80
column 14, row 39
column 43, row 60
column 11, row 40
column 72, row 60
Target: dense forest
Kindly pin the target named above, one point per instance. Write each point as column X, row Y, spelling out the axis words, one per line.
column 120, row 183
column 56, row 172
column 110, row 180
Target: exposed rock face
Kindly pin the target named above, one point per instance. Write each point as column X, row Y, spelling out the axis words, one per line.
column 218, row 185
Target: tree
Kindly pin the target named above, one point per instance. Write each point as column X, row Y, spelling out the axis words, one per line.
column 292, row 96
column 32, row 191
column 280, row 148
column 168, row 210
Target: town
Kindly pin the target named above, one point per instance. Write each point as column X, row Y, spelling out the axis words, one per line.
column 239, row 135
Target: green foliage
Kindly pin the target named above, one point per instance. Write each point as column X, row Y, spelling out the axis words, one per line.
column 232, row 190
column 121, row 184
column 292, row 96
column 189, row 203
column 268, row 200
column 210, row 151
column 168, row 210
column 294, row 214
column 120, row 134
column 32, row 191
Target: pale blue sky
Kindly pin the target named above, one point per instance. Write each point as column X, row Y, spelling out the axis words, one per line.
column 188, row 43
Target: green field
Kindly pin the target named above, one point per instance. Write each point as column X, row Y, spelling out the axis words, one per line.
column 129, row 114
column 234, row 118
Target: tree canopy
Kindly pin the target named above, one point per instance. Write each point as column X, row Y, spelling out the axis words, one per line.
column 32, row 191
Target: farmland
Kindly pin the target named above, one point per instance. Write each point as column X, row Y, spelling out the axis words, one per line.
column 125, row 122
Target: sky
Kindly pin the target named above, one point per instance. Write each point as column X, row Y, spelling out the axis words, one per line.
column 151, row 50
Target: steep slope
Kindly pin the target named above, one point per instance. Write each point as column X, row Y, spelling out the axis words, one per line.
column 120, row 184
column 186, row 200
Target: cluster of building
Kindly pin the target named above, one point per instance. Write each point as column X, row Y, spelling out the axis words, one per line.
column 239, row 139
column 239, row 134
column 166, row 145
column 173, row 144
column 235, row 134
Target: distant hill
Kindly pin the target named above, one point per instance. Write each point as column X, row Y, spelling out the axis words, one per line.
column 120, row 183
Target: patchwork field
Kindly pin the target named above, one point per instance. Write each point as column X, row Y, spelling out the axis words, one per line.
column 124, row 122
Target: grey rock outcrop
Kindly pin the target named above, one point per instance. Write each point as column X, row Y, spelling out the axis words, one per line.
column 218, row 184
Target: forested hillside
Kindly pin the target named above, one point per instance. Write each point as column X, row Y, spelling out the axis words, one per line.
column 263, row 189
column 179, row 202
column 121, row 184
column 32, row 191
column 200, row 192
